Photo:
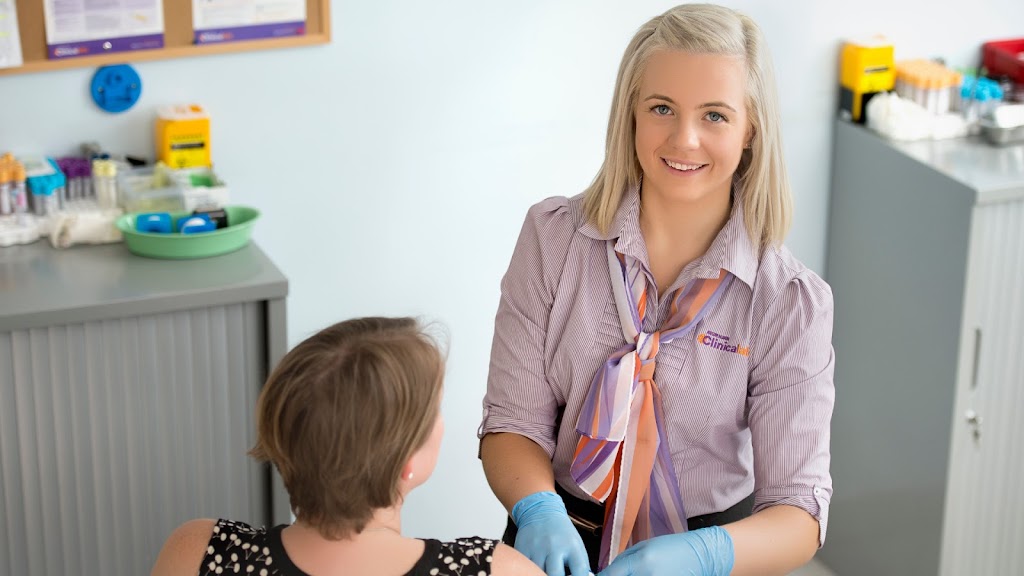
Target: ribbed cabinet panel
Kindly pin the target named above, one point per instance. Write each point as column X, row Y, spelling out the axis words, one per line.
column 983, row 529
column 112, row 433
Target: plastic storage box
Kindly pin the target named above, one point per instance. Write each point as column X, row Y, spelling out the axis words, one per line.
column 149, row 189
column 1004, row 58
column 161, row 189
column 201, row 189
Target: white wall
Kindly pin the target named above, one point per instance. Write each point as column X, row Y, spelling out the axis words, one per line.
column 394, row 166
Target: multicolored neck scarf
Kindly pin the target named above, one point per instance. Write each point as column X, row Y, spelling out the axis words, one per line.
column 622, row 458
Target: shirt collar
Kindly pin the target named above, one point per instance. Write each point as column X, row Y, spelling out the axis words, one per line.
column 732, row 249
column 625, row 227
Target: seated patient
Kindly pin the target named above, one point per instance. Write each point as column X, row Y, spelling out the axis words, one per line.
column 351, row 418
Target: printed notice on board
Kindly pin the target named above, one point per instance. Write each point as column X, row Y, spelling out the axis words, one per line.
column 90, row 27
column 232, row 20
column 10, row 40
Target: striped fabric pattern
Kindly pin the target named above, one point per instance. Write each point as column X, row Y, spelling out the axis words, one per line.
column 751, row 420
column 620, row 458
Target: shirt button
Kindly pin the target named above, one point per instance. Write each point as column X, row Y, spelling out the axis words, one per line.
column 817, row 491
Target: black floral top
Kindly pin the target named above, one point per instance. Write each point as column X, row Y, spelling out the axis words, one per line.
column 237, row 548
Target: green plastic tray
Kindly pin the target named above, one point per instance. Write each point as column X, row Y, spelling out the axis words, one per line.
column 176, row 246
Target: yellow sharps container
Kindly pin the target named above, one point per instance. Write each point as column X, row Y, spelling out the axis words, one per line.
column 867, row 68
column 183, row 136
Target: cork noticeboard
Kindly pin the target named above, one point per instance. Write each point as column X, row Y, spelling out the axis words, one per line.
column 178, row 38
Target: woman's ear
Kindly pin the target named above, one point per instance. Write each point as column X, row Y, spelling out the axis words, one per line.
column 411, row 477
column 407, row 473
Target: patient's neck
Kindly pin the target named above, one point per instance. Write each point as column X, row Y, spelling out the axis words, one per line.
column 383, row 521
column 379, row 547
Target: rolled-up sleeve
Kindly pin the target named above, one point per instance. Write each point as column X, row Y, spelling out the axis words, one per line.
column 791, row 396
column 519, row 398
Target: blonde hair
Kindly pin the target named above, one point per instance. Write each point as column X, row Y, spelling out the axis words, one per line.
column 761, row 175
column 342, row 414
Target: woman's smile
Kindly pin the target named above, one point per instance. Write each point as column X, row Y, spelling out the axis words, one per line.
column 683, row 167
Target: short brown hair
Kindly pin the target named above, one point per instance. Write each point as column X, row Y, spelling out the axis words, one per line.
column 342, row 414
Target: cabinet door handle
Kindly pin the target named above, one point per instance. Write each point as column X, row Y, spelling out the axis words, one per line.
column 974, row 421
column 972, row 418
column 977, row 358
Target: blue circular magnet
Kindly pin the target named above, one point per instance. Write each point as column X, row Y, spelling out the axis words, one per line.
column 116, row 88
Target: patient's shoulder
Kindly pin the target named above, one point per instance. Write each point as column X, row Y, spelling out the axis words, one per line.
column 475, row 555
column 510, row 562
column 185, row 548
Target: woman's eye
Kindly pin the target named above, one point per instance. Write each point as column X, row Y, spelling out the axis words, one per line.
column 716, row 117
column 661, row 109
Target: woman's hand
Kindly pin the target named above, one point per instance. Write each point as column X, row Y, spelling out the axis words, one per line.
column 704, row 552
column 547, row 537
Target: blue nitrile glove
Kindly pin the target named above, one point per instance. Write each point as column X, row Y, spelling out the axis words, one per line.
column 547, row 537
column 704, row 552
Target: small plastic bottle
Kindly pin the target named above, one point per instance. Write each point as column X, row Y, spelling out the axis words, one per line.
column 48, row 202
column 983, row 102
column 969, row 101
column 942, row 88
column 74, row 182
column 88, row 190
column 19, row 194
column 997, row 98
column 104, row 181
column 64, row 165
column 5, row 190
column 932, row 94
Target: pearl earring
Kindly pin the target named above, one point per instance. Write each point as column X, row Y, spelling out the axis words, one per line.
column 408, row 476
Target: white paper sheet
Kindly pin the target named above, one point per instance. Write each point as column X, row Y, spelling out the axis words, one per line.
column 228, row 20
column 209, row 14
column 78, row 27
column 10, row 38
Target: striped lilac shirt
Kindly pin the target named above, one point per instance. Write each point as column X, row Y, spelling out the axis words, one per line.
column 747, row 395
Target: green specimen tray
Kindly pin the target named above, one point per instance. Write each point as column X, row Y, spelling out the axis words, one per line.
column 177, row 246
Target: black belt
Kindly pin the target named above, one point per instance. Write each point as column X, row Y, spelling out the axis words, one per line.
column 588, row 518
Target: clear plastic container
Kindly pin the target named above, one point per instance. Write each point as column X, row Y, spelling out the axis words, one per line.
column 149, row 189
column 201, row 189
column 162, row 189
column 104, row 183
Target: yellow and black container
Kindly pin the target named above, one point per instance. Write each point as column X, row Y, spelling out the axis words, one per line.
column 867, row 68
column 183, row 136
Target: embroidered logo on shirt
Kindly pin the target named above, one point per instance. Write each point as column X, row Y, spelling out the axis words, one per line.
column 719, row 342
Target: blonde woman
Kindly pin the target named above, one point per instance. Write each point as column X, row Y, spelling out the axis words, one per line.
column 660, row 390
column 351, row 418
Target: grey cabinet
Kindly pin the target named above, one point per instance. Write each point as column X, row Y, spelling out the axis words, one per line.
column 926, row 263
column 127, row 393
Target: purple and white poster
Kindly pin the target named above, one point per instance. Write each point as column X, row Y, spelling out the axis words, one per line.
column 217, row 21
column 91, row 27
column 10, row 39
